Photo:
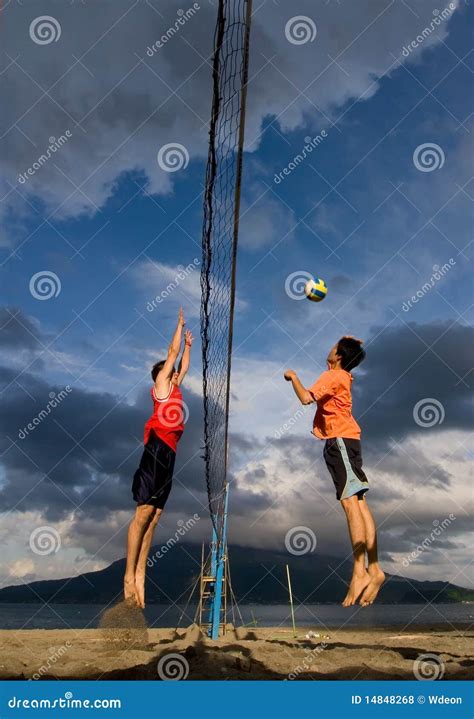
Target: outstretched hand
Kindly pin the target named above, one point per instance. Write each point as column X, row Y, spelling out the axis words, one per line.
column 188, row 338
column 181, row 320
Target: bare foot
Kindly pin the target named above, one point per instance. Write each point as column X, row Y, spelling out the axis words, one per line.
column 129, row 591
column 140, row 589
column 369, row 596
column 358, row 583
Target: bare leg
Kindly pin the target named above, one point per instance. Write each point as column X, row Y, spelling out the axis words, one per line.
column 136, row 532
column 360, row 578
column 140, row 569
column 377, row 577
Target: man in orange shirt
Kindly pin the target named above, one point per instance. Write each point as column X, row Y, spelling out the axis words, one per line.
column 342, row 452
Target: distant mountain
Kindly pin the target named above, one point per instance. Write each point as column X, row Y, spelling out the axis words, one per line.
column 258, row 577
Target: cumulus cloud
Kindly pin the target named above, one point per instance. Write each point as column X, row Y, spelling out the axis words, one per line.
column 122, row 105
column 264, row 222
column 163, row 285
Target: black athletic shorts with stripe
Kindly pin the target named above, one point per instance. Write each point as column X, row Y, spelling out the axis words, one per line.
column 153, row 478
column 343, row 458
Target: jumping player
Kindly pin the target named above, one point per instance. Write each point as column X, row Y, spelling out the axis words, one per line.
column 153, row 478
column 334, row 423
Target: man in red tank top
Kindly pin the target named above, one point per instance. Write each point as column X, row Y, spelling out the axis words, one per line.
column 153, row 478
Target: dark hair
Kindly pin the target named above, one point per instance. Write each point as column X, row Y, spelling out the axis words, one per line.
column 157, row 368
column 351, row 353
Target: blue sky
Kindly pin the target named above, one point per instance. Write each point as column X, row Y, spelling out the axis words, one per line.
column 357, row 212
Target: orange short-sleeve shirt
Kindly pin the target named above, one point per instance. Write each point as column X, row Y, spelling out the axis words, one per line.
column 333, row 418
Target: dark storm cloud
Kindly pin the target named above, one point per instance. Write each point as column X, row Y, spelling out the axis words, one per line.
column 409, row 363
column 17, row 331
column 85, row 451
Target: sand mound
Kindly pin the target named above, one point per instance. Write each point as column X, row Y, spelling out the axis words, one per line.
column 273, row 653
column 123, row 626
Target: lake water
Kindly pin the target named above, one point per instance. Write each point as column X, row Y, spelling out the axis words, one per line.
column 80, row 616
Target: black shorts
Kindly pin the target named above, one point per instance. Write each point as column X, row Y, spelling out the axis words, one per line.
column 344, row 460
column 153, row 478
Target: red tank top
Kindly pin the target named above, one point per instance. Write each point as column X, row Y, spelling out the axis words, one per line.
column 167, row 420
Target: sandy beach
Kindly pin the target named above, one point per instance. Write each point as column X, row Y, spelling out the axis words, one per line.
column 129, row 650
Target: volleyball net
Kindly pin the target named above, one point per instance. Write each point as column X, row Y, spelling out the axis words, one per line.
column 219, row 238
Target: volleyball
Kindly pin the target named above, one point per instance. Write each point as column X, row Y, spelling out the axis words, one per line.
column 315, row 289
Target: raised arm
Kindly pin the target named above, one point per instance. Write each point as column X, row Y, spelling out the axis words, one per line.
column 186, row 356
column 304, row 395
column 164, row 375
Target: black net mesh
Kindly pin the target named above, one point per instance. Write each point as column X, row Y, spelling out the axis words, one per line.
column 219, row 237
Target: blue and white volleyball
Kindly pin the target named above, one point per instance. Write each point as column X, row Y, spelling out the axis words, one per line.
column 315, row 289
